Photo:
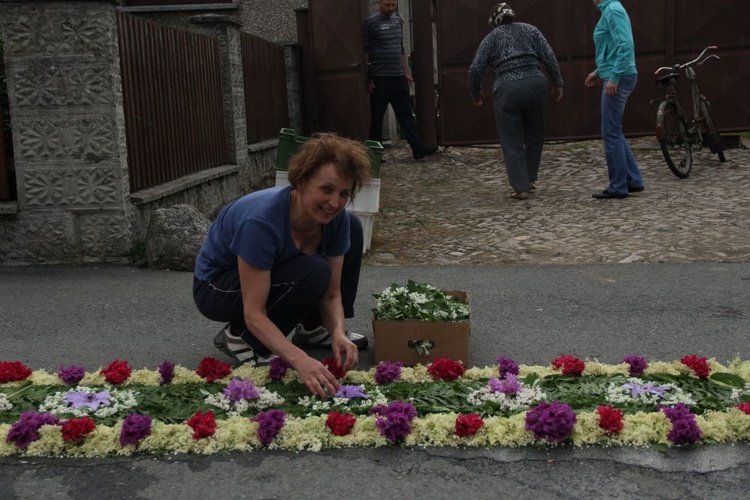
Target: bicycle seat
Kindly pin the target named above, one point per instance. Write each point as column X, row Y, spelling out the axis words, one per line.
column 667, row 80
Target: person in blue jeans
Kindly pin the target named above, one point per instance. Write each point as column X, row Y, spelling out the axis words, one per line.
column 284, row 262
column 615, row 68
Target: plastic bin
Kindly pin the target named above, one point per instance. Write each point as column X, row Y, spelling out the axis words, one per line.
column 290, row 142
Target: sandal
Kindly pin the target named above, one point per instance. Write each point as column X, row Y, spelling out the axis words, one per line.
column 518, row 196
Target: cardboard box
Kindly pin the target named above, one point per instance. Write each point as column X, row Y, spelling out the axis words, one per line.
column 394, row 340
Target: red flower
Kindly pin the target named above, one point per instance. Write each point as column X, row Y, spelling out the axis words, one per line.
column 117, row 372
column 75, row 430
column 468, row 424
column 744, row 408
column 340, row 423
column 570, row 365
column 697, row 364
column 13, row 371
column 610, row 419
column 336, row 370
column 446, row 369
column 212, row 369
column 203, row 424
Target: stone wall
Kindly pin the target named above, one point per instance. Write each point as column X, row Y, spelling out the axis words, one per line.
column 63, row 74
column 74, row 204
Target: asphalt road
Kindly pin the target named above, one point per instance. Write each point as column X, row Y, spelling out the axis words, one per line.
column 93, row 315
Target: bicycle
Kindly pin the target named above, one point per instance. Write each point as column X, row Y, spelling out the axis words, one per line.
column 677, row 134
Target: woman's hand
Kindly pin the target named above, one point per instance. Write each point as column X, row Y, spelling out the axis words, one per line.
column 345, row 352
column 610, row 88
column 592, row 79
column 316, row 377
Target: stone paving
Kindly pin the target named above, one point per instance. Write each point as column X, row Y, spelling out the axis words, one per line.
column 453, row 208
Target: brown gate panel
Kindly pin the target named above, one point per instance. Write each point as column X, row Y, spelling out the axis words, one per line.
column 173, row 102
column 264, row 76
column 335, row 63
column 665, row 32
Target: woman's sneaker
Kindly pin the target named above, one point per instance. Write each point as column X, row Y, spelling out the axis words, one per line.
column 239, row 350
column 319, row 337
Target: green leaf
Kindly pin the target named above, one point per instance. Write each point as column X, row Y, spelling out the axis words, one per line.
column 730, row 379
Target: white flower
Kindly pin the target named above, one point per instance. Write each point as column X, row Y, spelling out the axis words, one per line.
column 638, row 390
column 119, row 402
column 523, row 399
column 4, row 403
column 266, row 399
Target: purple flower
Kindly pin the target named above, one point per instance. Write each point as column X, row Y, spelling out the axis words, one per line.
column 239, row 389
column 551, row 421
column 507, row 366
column 92, row 400
column 394, row 420
column 166, row 370
column 351, row 392
column 685, row 429
column 26, row 430
column 278, row 369
column 509, row 386
column 638, row 364
column 388, row 372
column 134, row 428
column 649, row 388
column 269, row 424
column 71, row 375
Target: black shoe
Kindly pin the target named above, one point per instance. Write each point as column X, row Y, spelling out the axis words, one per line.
column 319, row 337
column 382, row 159
column 606, row 195
column 635, row 189
column 421, row 153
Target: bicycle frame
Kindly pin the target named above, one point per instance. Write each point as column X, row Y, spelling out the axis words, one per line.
column 678, row 134
column 669, row 83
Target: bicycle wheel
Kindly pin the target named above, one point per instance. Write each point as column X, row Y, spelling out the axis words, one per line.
column 673, row 139
column 712, row 133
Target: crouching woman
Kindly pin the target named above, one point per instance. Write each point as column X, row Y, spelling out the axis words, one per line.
column 283, row 263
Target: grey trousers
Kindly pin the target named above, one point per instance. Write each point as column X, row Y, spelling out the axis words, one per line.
column 519, row 117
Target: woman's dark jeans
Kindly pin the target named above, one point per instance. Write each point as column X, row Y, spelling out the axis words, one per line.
column 297, row 286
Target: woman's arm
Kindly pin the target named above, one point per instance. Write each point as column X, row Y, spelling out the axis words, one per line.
column 332, row 315
column 256, row 284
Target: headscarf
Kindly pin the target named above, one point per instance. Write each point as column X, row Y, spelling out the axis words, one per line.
column 500, row 13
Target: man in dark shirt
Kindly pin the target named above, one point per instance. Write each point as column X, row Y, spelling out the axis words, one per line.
column 388, row 77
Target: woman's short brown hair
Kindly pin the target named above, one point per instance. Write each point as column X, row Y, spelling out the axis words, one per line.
column 351, row 158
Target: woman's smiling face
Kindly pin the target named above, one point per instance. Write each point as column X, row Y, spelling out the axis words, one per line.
column 324, row 195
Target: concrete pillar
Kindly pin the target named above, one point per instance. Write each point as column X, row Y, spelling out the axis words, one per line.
column 63, row 71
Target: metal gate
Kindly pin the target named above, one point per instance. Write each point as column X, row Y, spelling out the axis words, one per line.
column 664, row 32
column 333, row 74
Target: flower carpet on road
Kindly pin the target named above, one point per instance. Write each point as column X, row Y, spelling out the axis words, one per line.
column 120, row 411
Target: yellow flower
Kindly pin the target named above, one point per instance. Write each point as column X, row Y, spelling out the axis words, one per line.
column 642, row 429
column 508, row 431
column 145, row 377
column 41, row 377
column 596, row 368
column 435, row 429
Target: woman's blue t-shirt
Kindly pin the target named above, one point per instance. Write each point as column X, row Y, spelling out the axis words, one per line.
column 257, row 228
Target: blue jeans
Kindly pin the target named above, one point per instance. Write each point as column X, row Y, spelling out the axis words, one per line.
column 621, row 165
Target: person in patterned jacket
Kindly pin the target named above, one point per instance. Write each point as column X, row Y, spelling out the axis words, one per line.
column 517, row 52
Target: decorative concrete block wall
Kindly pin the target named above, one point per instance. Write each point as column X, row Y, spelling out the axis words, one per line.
column 63, row 73
column 70, row 150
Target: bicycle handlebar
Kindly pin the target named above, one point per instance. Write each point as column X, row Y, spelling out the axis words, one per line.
column 697, row 61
